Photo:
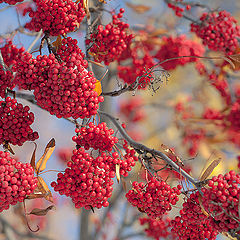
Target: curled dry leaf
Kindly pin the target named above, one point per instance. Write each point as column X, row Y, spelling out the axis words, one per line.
column 42, row 212
column 170, row 151
column 118, row 172
column 210, row 169
column 41, row 164
column 34, row 158
column 138, row 8
column 7, row 146
column 234, row 60
column 57, row 44
column 43, row 188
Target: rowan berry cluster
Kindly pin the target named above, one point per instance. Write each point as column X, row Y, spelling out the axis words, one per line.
column 177, row 47
column 98, row 137
column 193, row 223
column 155, row 198
column 138, row 69
column 16, row 181
column 64, row 88
column 87, row 181
column 157, row 228
column 10, row 54
column 11, row 2
column 56, row 17
column 109, row 42
column 177, row 9
column 15, row 121
column 218, row 31
column 221, row 201
column 234, row 116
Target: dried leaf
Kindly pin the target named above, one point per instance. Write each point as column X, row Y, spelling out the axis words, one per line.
column 35, row 195
column 118, row 172
column 42, row 212
column 57, row 44
column 34, row 158
column 43, row 188
column 210, row 169
column 86, row 8
column 138, row 8
column 234, row 60
column 96, row 63
column 7, row 146
column 98, row 87
column 41, row 164
column 201, row 205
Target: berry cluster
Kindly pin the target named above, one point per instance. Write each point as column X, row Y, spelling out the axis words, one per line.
column 219, row 31
column 56, row 17
column 138, row 69
column 64, row 88
column 157, row 228
column 177, row 9
column 193, row 223
column 10, row 54
column 132, row 109
column 155, row 198
column 16, row 181
column 98, row 137
column 107, row 44
column 177, row 47
column 221, row 201
column 234, row 116
column 11, row 2
column 87, row 181
column 15, row 121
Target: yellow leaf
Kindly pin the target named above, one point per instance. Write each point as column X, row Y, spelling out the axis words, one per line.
column 138, row 8
column 98, row 87
column 118, row 172
column 43, row 188
column 57, row 44
column 210, row 168
column 41, row 164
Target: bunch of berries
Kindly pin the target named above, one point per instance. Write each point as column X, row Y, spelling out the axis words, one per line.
column 234, row 115
column 56, row 17
column 107, row 44
column 157, row 228
column 11, row 2
column 86, row 181
column 193, row 223
column 15, row 121
column 221, row 201
column 218, row 31
column 177, row 47
column 10, row 54
column 16, row 181
column 98, row 137
column 155, row 198
column 139, row 69
column 177, row 9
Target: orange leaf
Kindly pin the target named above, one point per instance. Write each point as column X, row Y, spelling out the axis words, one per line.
column 138, row 8
column 98, row 87
column 41, row 212
column 210, row 169
column 157, row 32
column 41, row 164
column 43, row 188
column 118, row 172
column 7, row 146
column 57, row 44
column 34, row 158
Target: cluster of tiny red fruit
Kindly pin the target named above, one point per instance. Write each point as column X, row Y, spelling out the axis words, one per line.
column 108, row 43
column 16, row 181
